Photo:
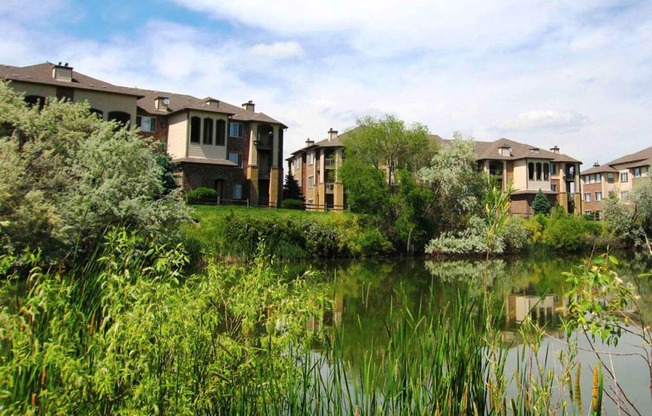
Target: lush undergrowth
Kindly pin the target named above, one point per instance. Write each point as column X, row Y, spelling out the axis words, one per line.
column 225, row 232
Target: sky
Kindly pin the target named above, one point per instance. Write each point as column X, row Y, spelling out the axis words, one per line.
column 576, row 74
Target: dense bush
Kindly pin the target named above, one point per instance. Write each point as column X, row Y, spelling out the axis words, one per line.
column 68, row 176
column 201, row 194
column 291, row 203
column 567, row 232
column 126, row 335
column 472, row 240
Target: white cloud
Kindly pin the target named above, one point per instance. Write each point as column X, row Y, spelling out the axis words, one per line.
column 540, row 120
column 277, row 50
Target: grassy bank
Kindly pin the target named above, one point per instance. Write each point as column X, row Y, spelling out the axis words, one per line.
column 240, row 232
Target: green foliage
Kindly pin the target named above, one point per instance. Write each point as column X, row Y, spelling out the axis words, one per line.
column 68, row 177
column 286, row 234
column 631, row 223
column 457, row 184
column 471, row 240
column 597, row 297
column 167, row 168
column 293, row 204
column 125, row 335
column 388, row 144
column 366, row 189
column 567, row 232
column 541, row 204
column 291, row 188
column 201, row 194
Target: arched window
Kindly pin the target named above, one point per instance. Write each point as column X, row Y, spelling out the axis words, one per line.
column 220, row 129
column 530, row 170
column 97, row 112
column 208, row 130
column 195, row 129
column 35, row 100
column 120, row 117
column 538, row 171
column 546, row 171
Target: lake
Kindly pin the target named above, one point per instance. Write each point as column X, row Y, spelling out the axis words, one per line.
column 368, row 292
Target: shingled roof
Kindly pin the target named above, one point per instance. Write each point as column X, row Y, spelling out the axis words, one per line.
column 632, row 160
column 42, row 74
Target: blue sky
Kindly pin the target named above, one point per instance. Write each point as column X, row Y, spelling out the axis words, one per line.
column 568, row 73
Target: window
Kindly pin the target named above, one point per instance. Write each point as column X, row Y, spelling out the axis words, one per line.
column 237, row 191
column 120, row 117
column 598, row 177
column 624, row 195
column 553, row 168
column 587, row 197
column 610, row 177
column 311, row 181
column 546, row 171
column 598, row 196
column 146, row 124
column 636, row 172
column 98, row 113
column 65, row 93
column 297, row 163
column 311, row 158
column 623, row 177
column 530, row 170
column 220, row 129
column 35, row 100
column 235, row 158
column 235, row 130
column 195, row 129
column 538, row 171
column 587, row 212
column 208, row 130
column 553, row 187
column 586, row 179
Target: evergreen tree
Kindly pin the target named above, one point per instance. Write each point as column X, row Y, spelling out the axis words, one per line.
column 291, row 189
column 541, row 204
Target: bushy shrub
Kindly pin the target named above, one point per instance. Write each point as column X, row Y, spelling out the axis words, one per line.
column 291, row 203
column 567, row 232
column 201, row 194
column 515, row 235
column 472, row 240
column 535, row 226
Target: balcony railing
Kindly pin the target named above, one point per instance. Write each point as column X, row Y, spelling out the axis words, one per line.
column 330, row 163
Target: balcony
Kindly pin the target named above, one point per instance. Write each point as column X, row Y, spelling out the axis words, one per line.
column 330, row 163
column 330, row 187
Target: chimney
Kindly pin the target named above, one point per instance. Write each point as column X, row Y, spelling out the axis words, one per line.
column 62, row 72
column 596, row 164
column 249, row 105
column 555, row 149
column 309, row 142
column 162, row 103
column 332, row 134
column 505, row 150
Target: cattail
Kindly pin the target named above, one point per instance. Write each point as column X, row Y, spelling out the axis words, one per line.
column 578, row 387
column 596, row 404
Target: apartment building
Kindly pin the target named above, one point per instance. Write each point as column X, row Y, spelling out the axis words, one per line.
column 315, row 169
column 235, row 150
column 618, row 178
column 530, row 169
column 527, row 167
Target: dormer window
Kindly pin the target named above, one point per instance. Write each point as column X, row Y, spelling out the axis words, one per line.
column 534, row 150
column 212, row 102
column 162, row 103
column 505, row 151
column 62, row 72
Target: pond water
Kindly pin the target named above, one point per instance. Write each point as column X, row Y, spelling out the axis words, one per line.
column 365, row 291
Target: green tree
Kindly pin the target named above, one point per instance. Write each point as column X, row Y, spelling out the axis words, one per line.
column 291, row 188
column 458, row 186
column 389, row 145
column 541, row 204
column 68, row 177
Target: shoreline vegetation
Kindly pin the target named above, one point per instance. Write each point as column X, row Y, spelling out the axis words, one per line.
column 112, row 302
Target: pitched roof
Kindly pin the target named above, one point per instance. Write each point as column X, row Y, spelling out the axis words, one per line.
column 632, row 160
column 42, row 74
column 642, row 156
column 491, row 150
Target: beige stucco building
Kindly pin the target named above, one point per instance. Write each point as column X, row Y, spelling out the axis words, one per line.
column 233, row 149
column 528, row 168
column 617, row 178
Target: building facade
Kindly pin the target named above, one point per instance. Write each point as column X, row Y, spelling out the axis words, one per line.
column 315, row 167
column 617, row 178
column 528, row 169
column 234, row 150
